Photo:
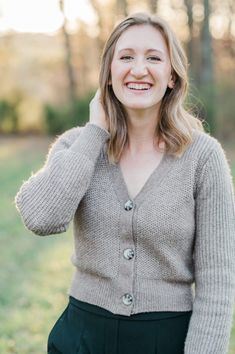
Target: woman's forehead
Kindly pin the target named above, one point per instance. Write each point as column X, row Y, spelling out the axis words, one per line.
column 141, row 37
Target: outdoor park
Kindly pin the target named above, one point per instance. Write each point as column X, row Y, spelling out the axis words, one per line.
column 49, row 63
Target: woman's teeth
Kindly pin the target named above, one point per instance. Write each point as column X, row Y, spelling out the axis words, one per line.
column 133, row 86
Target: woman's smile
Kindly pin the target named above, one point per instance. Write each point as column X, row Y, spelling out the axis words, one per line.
column 141, row 60
column 139, row 89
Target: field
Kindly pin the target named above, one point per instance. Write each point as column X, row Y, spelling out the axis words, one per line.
column 35, row 271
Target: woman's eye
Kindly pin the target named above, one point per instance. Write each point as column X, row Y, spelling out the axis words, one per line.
column 128, row 57
column 155, row 58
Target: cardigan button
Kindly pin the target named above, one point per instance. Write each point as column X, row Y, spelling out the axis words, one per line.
column 127, row 299
column 128, row 253
column 128, row 205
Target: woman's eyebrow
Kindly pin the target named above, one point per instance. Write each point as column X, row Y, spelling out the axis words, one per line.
column 149, row 50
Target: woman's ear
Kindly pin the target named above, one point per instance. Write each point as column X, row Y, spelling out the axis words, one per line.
column 171, row 82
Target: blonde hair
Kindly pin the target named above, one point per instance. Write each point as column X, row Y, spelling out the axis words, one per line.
column 175, row 124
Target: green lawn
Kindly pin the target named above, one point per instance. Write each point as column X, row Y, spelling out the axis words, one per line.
column 35, row 272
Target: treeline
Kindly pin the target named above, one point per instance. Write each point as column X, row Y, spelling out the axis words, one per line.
column 56, row 118
column 206, row 28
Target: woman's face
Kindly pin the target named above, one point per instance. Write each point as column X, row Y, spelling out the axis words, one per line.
column 141, row 68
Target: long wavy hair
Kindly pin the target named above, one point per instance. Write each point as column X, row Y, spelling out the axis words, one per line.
column 175, row 124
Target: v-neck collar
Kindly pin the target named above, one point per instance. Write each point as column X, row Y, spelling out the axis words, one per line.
column 154, row 180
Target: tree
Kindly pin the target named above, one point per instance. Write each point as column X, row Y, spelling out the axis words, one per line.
column 101, row 24
column 68, row 58
column 152, row 4
column 207, row 70
column 189, row 7
column 122, row 7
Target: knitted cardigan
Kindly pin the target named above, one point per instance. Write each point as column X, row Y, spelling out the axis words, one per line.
column 171, row 248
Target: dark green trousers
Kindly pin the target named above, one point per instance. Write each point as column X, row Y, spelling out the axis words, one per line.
column 84, row 328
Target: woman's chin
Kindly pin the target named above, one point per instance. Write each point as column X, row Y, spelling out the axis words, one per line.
column 138, row 106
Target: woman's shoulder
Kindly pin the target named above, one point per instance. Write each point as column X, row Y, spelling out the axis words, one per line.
column 67, row 138
column 63, row 141
column 211, row 158
column 202, row 137
column 203, row 145
column 70, row 134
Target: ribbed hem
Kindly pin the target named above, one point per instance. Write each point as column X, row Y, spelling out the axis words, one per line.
column 150, row 295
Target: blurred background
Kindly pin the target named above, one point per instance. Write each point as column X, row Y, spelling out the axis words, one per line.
column 50, row 53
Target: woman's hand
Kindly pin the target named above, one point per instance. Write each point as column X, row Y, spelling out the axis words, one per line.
column 97, row 114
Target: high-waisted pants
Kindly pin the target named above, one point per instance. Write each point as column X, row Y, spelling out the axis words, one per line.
column 85, row 328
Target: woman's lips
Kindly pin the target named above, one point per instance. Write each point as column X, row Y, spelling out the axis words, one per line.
column 138, row 91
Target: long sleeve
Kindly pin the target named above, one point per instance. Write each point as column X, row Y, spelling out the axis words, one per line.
column 214, row 258
column 48, row 200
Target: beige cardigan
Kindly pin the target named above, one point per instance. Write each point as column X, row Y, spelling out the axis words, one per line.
column 142, row 255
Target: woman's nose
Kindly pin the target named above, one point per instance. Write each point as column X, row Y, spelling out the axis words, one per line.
column 139, row 68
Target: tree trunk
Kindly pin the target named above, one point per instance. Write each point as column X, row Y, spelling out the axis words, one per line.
column 152, row 6
column 206, row 46
column 100, row 38
column 189, row 5
column 207, row 72
column 68, row 58
column 121, row 7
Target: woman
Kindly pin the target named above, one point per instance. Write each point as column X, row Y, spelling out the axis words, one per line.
column 151, row 199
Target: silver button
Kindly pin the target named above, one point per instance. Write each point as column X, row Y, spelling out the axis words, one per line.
column 128, row 205
column 128, row 253
column 127, row 299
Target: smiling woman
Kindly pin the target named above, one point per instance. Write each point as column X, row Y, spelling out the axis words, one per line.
column 141, row 70
column 151, row 224
column 141, row 50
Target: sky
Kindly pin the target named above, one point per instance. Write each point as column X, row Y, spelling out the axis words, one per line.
column 45, row 16
column 42, row 15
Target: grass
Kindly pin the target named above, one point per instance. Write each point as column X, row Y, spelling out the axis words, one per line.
column 29, row 300
column 35, row 272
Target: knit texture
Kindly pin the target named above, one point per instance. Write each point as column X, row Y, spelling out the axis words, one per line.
column 180, row 229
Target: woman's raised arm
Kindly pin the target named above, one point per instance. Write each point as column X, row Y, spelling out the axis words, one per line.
column 48, row 200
